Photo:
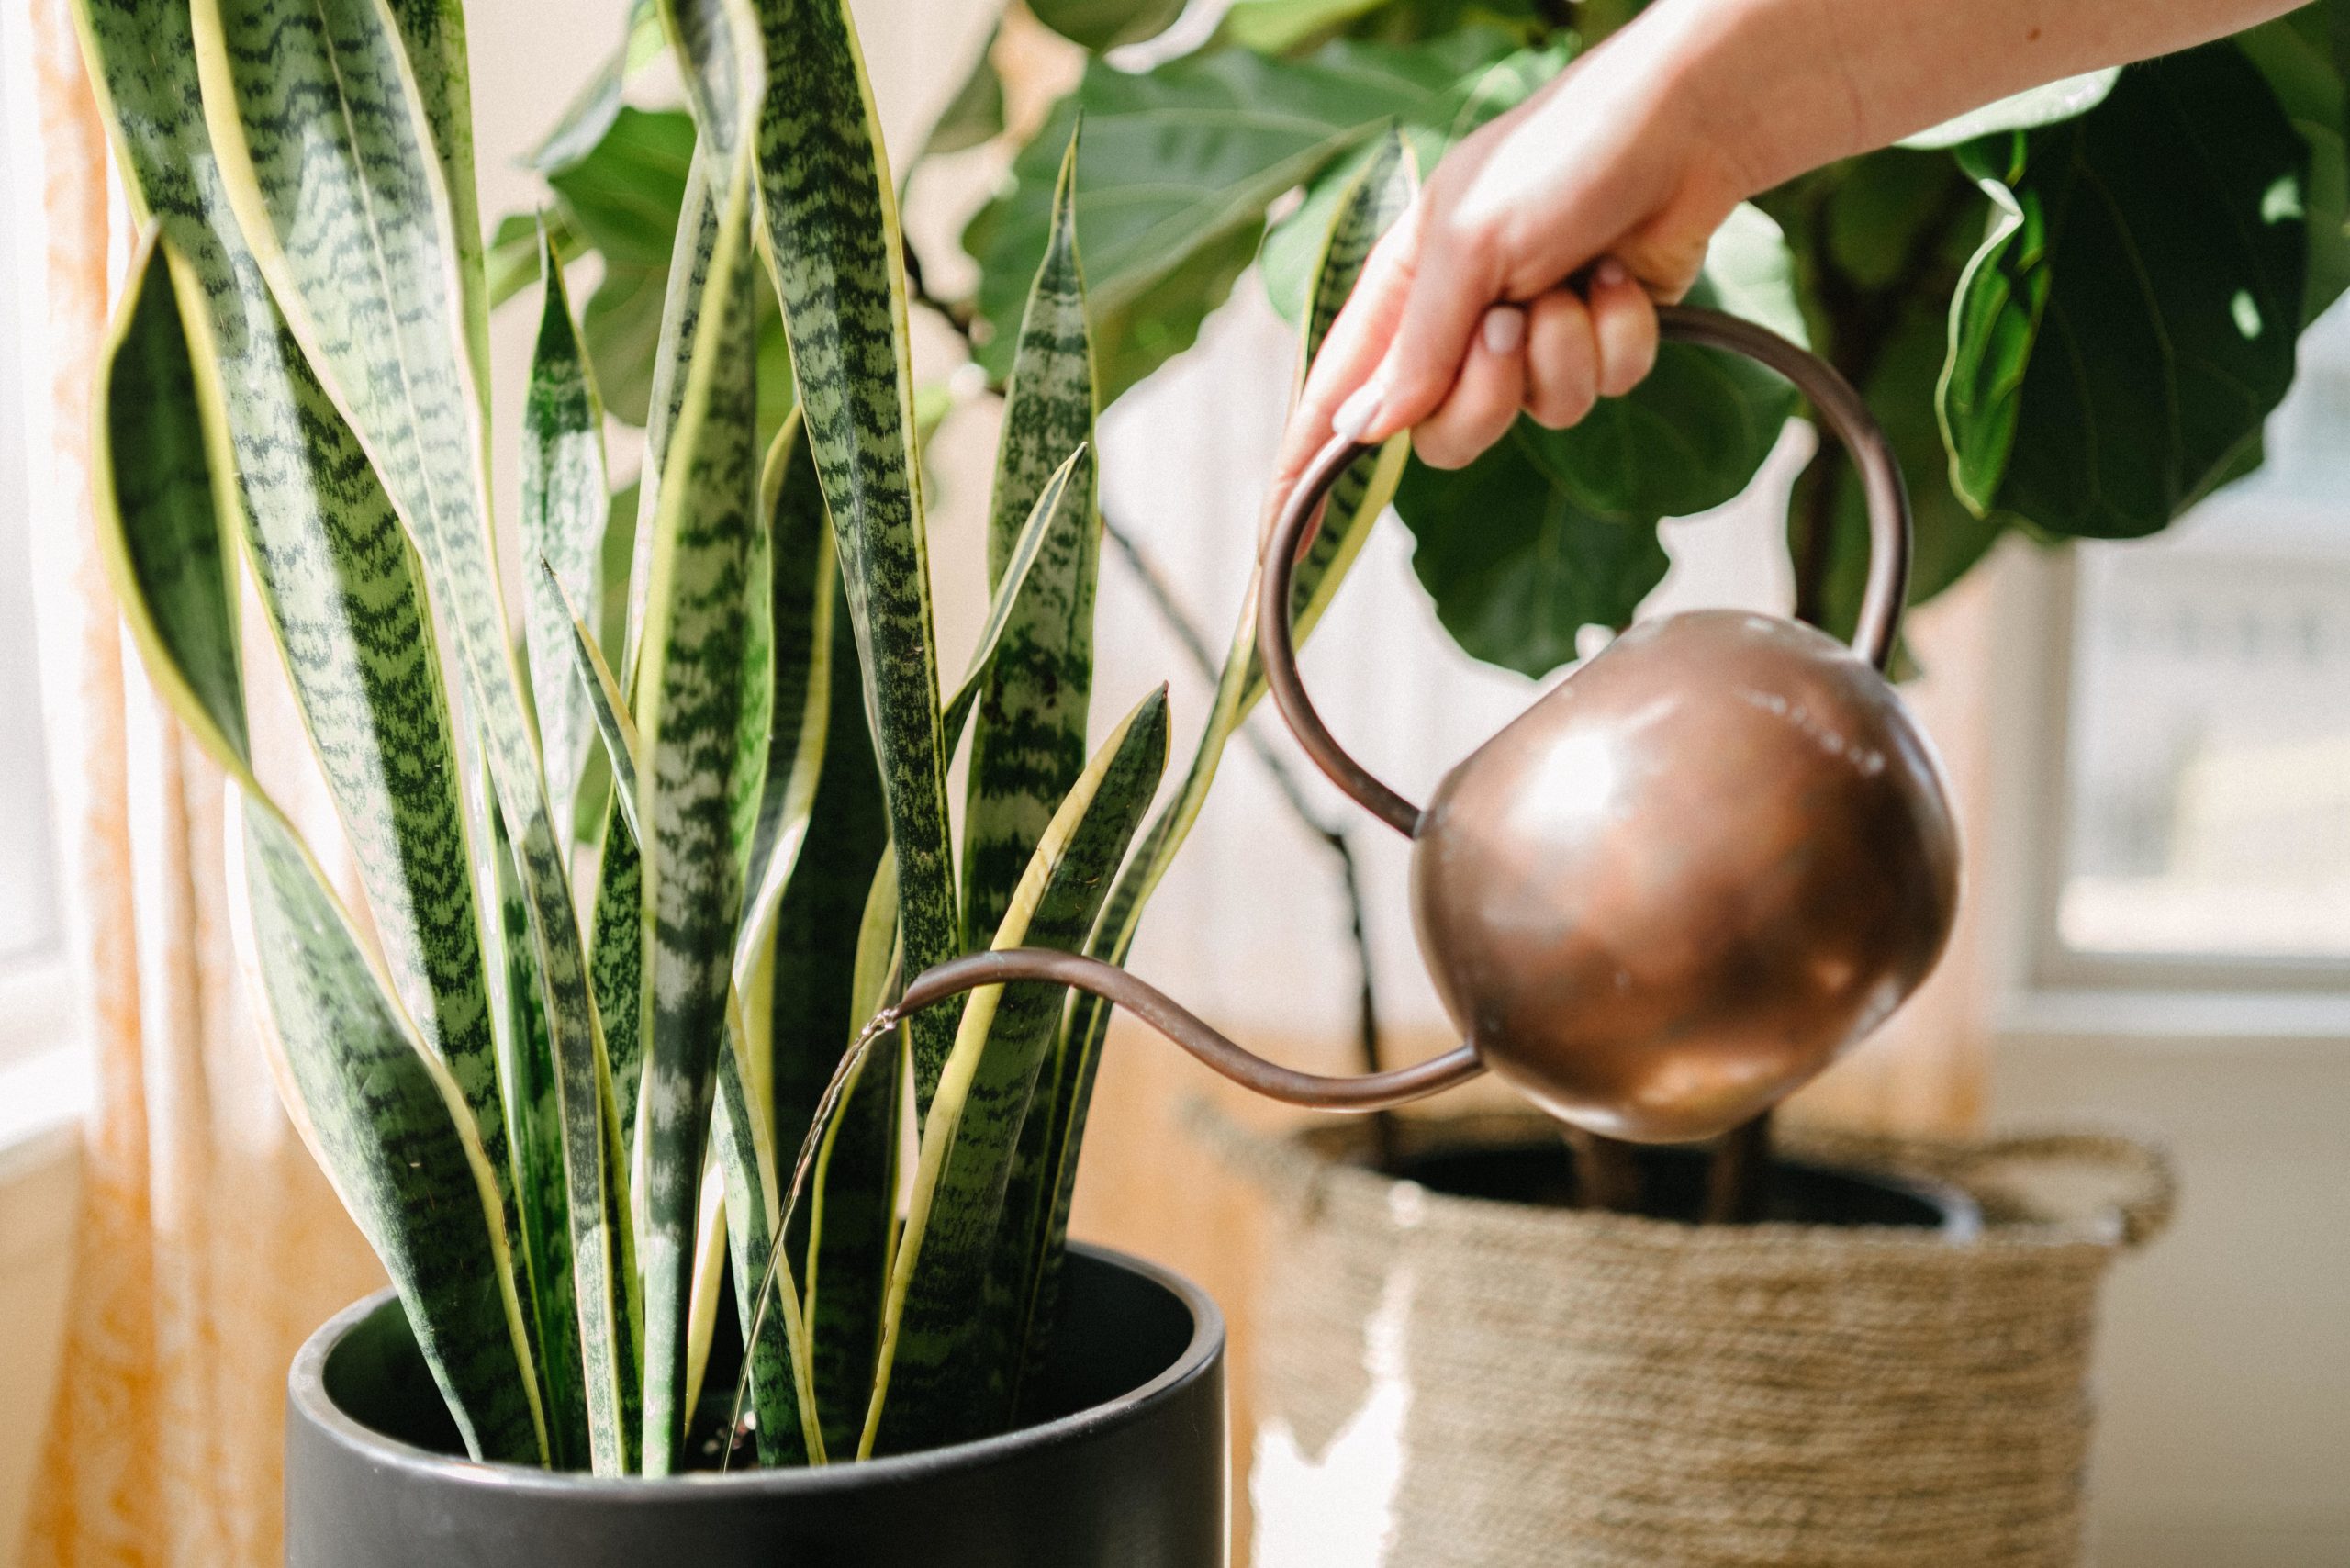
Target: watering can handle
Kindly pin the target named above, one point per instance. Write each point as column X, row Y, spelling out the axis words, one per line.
column 1832, row 397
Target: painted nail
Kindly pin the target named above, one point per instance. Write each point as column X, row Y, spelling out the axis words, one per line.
column 1361, row 406
column 1505, row 329
column 1610, row 273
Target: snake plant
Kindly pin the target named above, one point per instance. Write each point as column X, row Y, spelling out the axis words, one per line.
column 641, row 837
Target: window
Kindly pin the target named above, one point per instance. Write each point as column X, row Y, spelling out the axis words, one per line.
column 2195, row 731
column 29, row 926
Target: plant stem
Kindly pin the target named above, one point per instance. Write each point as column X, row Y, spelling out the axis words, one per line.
column 1607, row 1175
column 1737, row 1181
column 1195, row 647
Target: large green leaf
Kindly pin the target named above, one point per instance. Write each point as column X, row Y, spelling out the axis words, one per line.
column 833, row 243
column 934, row 1383
column 1028, row 739
column 2034, row 107
column 623, row 196
column 2130, row 321
column 1516, row 565
column 706, row 568
column 566, row 497
column 388, row 1124
column 338, row 582
column 1105, row 24
column 2304, row 56
column 1181, row 164
column 327, row 157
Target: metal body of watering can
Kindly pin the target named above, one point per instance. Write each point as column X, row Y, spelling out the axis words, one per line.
column 1673, row 890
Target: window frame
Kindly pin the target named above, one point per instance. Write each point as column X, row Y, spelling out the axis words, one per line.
column 2040, row 983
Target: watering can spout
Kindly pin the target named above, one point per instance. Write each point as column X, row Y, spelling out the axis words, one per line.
column 1374, row 1091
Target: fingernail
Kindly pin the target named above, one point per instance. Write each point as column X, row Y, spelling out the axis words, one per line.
column 1354, row 415
column 1505, row 329
column 1610, row 273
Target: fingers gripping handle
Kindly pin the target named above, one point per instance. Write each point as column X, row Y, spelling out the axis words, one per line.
column 1839, row 406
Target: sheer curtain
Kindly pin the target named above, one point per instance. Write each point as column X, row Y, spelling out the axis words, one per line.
column 206, row 1243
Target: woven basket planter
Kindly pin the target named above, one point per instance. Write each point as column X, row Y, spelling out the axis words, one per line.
column 1449, row 1381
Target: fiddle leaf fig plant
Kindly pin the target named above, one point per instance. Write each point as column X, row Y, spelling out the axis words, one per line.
column 2071, row 310
column 642, row 838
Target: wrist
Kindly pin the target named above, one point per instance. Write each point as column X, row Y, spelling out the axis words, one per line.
column 1756, row 89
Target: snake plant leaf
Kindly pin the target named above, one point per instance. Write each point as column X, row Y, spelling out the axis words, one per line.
column 607, row 709
column 2103, row 411
column 698, row 633
column 802, row 569
column 783, row 1398
column 541, row 1238
column 1059, row 511
column 832, row 247
column 852, row 1217
column 564, row 497
column 808, row 1010
column 393, row 1134
column 326, row 157
column 932, row 1384
column 1045, row 1177
column 433, row 34
column 156, row 483
column 1028, row 744
column 390, row 1125
column 337, row 582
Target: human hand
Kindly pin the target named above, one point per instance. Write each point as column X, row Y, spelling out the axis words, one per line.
column 1525, row 273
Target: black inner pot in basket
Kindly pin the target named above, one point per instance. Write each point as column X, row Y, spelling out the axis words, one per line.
column 1672, row 1185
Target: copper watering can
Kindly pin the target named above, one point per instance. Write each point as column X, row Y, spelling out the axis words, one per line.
column 1673, row 891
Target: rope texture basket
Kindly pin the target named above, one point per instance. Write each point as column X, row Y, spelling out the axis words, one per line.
column 1458, row 1383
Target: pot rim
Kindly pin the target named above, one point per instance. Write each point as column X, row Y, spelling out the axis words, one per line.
column 307, row 1394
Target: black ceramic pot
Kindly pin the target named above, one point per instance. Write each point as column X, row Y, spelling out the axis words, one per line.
column 1129, row 1473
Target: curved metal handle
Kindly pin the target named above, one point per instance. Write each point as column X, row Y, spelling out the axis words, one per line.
column 1839, row 406
column 1370, row 1091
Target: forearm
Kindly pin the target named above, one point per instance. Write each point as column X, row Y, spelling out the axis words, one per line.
column 1790, row 84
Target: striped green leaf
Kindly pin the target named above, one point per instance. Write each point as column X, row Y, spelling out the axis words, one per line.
column 326, row 153
column 707, row 560
column 1048, row 1177
column 833, row 244
column 852, row 1218
column 934, row 1383
column 1061, row 510
column 1028, row 745
column 337, row 580
column 565, row 496
column 782, row 1397
column 433, row 32
column 802, row 569
column 805, row 1004
column 541, row 1237
column 600, row 690
column 388, row 1124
